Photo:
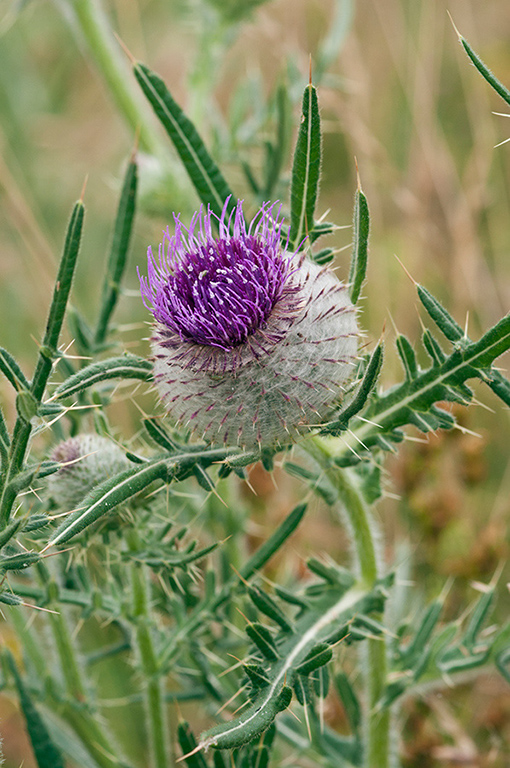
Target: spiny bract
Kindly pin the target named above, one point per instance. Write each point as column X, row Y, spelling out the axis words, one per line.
column 251, row 342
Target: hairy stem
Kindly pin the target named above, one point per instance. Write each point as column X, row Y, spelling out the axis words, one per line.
column 155, row 706
column 90, row 19
column 364, row 536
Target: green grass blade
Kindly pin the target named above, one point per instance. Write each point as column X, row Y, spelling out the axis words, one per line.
column 119, row 251
column 359, row 258
column 205, row 175
column 305, row 170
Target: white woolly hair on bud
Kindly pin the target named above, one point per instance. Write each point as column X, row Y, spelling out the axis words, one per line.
column 224, row 368
column 86, row 461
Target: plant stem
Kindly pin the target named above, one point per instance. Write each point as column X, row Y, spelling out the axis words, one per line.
column 74, row 707
column 90, row 18
column 364, row 535
column 155, row 707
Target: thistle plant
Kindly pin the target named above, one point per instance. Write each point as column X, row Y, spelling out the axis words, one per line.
column 134, row 549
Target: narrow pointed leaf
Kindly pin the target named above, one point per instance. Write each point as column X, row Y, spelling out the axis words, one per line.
column 359, row 257
column 108, row 495
column 205, row 175
column 363, row 393
column 59, row 301
column 407, row 356
column 124, row 367
column 46, row 753
column 118, row 251
column 305, row 170
column 11, row 370
column 274, row 542
column 485, row 72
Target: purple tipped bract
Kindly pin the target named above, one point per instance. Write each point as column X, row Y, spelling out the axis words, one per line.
column 251, row 341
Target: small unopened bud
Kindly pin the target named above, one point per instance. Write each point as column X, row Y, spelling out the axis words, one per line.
column 87, row 460
column 251, row 342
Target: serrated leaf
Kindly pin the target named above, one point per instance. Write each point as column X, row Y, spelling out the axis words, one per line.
column 396, row 408
column 327, row 619
column 124, row 367
column 305, row 171
column 205, row 175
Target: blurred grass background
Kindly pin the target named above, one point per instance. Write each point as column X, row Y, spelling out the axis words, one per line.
column 400, row 96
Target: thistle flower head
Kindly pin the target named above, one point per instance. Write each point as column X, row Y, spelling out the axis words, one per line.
column 86, row 461
column 251, row 341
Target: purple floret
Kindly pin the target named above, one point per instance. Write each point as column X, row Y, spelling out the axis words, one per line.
column 219, row 291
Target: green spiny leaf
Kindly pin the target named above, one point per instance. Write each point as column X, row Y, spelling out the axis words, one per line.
column 11, row 370
column 363, row 393
column 479, row 616
column 187, row 743
column 45, row 751
column 485, row 72
column 261, row 636
column 305, row 171
column 274, row 542
column 349, row 700
column 124, row 367
column 64, row 278
column 107, row 496
column 439, row 315
column 205, row 175
column 160, row 435
column 118, row 252
column 407, row 356
column 359, row 258
column 319, row 655
column 268, row 607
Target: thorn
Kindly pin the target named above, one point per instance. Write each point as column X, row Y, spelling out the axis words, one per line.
column 198, row 748
column 501, row 114
column 125, row 49
column 455, row 28
column 84, row 188
column 310, row 70
column 38, row 608
column 466, row 326
column 411, row 278
column 241, row 578
column 501, row 143
column 134, row 151
column 234, row 696
column 358, row 180
column 381, row 337
column 246, row 620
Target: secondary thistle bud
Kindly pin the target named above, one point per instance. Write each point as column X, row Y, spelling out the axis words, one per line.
column 87, row 460
column 251, row 342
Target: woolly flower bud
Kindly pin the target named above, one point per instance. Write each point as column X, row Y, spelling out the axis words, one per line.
column 87, row 460
column 251, row 342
